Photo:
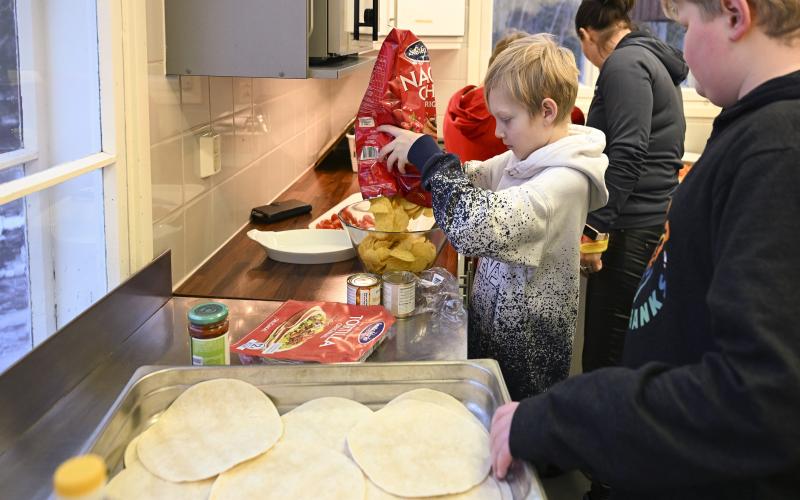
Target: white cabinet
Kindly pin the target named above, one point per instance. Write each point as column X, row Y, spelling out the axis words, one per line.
column 439, row 23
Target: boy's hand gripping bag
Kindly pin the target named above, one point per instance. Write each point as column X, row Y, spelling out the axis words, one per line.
column 400, row 93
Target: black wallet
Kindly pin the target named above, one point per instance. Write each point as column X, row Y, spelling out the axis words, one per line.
column 278, row 210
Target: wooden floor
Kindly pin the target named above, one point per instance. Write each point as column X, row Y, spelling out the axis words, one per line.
column 241, row 270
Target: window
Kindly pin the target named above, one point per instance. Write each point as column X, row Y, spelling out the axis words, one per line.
column 15, row 318
column 64, row 193
column 10, row 134
column 558, row 18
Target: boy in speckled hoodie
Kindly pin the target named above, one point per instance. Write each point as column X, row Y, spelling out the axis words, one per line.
column 522, row 212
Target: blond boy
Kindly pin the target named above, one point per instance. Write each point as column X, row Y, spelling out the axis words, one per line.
column 708, row 403
column 521, row 212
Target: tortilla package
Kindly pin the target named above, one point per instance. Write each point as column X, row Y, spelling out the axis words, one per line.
column 400, row 93
column 316, row 332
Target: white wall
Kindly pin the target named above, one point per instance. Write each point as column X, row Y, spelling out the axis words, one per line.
column 193, row 216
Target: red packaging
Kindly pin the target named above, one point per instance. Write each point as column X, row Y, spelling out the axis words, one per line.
column 400, row 93
column 317, row 332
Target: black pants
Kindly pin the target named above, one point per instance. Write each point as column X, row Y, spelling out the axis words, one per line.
column 609, row 294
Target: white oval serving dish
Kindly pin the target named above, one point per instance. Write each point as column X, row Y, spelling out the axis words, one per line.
column 305, row 246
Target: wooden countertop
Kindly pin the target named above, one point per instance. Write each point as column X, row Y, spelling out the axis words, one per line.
column 241, row 269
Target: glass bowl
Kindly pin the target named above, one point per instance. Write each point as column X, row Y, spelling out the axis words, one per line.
column 414, row 249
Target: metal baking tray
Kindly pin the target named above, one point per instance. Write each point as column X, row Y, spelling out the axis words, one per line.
column 477, row 383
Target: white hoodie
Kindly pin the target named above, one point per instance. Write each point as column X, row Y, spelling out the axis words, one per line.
column 524, row 218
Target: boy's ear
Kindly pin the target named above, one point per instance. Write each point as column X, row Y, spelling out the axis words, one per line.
column 549, row 110
column 738, row 17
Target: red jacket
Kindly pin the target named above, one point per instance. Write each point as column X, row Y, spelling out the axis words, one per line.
column 469, row 127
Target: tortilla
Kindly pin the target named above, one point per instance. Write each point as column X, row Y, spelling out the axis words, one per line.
column 208, row 429
column 135, row 482
column 438, row 398
column 292, row 469
column 131, row 455
column 324, row 421
column 415, row 448
column 487, row 490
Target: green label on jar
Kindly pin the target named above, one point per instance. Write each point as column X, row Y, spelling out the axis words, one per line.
column 214, row 351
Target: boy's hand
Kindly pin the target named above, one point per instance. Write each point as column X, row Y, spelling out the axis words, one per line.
column 501, row 427
column 397, row 150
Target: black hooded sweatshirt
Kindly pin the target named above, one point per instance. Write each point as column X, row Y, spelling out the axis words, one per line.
column 708, row 405
column 638, row 104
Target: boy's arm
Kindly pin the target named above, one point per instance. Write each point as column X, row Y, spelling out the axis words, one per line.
column 505, row 225
column 628, row 103
column 731, row 416
column 482, row 174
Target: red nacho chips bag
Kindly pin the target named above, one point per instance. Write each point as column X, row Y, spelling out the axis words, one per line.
column 400, row 93
column 317, row 332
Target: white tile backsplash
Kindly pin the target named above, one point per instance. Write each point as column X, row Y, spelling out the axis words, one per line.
column 194, row 184
column 200, row 235
column 221, row 96
column 242, row 94
column 224, row 127
column 168, row 235
column 266, row 138
column 245, row 134
column 166, row 119
column 166, row 174
column 231, row 201
column 195, row 100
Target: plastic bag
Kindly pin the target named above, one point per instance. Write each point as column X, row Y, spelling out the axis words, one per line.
column 450, row 316
column 433, row 286
column 400, row 93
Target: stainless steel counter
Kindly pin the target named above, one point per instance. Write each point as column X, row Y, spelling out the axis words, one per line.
column 55, row 398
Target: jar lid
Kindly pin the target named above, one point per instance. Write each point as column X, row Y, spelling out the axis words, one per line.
column 208, row 313
column 80, row 475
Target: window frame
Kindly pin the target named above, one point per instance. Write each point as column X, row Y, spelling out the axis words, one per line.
column 123, row 159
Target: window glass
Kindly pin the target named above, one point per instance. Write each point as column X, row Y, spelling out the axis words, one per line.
column 539, row 16
column 15, row 312
column 558, row 18
column 10, row 115
column 52, row 260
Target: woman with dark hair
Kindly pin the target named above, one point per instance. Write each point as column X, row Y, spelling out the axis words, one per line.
column 637, row 103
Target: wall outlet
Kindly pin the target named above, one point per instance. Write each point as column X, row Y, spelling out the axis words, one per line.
column 210, row 154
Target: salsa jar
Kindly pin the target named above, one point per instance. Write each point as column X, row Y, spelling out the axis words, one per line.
column 208, row 332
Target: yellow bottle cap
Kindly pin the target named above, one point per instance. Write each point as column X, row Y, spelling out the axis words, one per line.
column 80, row 475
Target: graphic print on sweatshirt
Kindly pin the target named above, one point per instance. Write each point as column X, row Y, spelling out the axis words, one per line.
column 652, row 290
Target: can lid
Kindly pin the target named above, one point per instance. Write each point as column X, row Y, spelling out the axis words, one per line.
column 208, row 313
column 363, row 279
column 80, row 475
column 399, row 277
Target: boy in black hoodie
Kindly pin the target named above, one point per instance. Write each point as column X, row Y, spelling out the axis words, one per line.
column 708, row 403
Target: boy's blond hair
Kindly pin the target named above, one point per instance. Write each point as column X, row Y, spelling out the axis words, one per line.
column 534, row 68
column 779, row 19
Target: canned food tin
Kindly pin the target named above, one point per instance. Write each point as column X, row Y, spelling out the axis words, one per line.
column 399, row 292
column 364, row 289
